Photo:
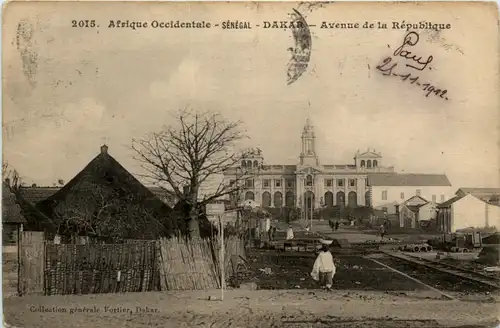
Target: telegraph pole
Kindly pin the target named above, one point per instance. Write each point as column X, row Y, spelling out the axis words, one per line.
column 222, row 267
column 312, row 204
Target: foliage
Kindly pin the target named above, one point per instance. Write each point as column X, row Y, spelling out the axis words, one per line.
column 105, row 213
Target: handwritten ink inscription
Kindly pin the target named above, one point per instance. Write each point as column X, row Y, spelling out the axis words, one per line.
column 416, row 62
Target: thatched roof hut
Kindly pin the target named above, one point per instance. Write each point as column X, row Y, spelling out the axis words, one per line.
column 106, row 201
column 11, row 212
column 12, row 217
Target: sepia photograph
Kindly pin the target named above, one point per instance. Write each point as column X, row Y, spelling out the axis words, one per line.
column 250, row 164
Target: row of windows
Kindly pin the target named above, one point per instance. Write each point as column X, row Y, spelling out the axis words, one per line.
column 266, row 183
column 250, row 164
column 308, row 201
column 369, row 163
column 340, row 182
column 418, row 192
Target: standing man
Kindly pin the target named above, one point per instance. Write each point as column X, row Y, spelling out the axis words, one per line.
column 382, row 231
column 324, row 268
column 289, row 233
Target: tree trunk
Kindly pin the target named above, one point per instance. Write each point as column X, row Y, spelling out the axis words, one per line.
column 194, row 225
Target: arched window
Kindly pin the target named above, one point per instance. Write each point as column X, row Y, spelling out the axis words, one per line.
column 289, row 199
column 255, row 164
column 353, row 199
column 375, row 163
column 278, row 199
column 266, row 199
column 309, row 181
column 309, row 201
column 368, row 164
column 340, row 199
column 363, row 163
column 328, row 199
column 249, row 195
column 249, row 164
column 243, row 164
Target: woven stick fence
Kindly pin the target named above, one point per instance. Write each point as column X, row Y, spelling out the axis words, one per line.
column 187, row 264
column 95, row 268
column 193, row 264
column 234, row 251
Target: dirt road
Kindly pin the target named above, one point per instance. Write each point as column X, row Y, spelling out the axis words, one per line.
column 246, row 308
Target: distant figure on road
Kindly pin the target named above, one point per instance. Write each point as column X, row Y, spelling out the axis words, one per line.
column 382, row 231
column 289, row 233
column 324, row 268
column 270, row 233
column 337, row 223
column 307, row 228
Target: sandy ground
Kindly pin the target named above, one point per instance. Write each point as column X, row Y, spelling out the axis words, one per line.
column 247, row 308
column 250, row 308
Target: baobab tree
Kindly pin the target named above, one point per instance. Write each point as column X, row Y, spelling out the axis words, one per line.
column 198, row 150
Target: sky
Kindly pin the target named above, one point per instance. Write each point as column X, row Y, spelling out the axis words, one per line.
column 69, row 90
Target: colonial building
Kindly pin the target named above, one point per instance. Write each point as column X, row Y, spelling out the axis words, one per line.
column 489, row 195
column 310, row 184
column 462, row 212
column 390, row 190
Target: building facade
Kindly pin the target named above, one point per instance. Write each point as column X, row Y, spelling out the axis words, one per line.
column 390, row 190
column 310, row 185
column 416, row 210
column 462, row 212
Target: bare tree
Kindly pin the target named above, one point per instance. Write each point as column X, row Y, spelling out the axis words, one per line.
column 182, row 159
column 11, row 176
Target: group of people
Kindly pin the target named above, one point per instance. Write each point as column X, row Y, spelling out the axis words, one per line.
column 334, row 225
column 272, row 233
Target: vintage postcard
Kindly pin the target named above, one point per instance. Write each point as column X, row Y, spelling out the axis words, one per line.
column 250, row 164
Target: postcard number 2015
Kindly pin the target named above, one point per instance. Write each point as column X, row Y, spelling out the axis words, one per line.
column 83, row 23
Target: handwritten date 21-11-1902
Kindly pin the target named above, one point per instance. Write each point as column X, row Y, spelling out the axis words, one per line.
column 387, row 69
column 414, row 62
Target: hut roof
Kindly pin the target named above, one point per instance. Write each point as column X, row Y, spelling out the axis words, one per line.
column 11, row 212
column 105, row 177
column 34, row 195
column 408, row 179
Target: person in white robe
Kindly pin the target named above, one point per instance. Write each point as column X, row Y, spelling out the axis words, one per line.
column 324, row 268
column 289, row 233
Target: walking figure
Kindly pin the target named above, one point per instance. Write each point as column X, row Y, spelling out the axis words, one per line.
column 289, row 233
column 382, row 231
column 324, row 268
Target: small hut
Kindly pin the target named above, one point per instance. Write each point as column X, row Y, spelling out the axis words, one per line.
column 12, row 219
column 107, row 203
